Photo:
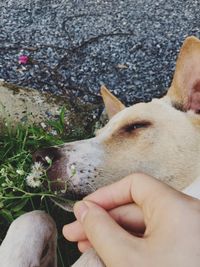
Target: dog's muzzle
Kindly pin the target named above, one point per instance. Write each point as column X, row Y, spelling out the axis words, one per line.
column 60, row 180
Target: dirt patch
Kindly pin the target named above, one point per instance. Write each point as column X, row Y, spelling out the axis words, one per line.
column 26, row 105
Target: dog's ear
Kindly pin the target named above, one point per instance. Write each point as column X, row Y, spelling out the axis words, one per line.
column 112, row 104
column 185, row 89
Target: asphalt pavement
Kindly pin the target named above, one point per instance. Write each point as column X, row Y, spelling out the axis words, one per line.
column 75, row 46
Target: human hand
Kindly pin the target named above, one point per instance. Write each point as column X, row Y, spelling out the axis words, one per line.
column 111, row 219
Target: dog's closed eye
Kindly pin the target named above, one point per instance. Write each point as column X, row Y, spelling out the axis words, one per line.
column 131, row 127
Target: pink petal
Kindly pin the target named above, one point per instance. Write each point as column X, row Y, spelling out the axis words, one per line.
column 23, row 59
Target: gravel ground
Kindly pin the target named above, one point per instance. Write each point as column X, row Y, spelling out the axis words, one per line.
column 74, row 46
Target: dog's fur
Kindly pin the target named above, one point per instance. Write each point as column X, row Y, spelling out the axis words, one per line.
column 160, row 138
column 30, row 242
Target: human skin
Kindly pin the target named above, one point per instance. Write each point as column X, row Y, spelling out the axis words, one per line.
column 138, row 221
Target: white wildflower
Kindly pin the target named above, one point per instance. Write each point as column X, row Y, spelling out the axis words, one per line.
column 37, row 166
column 20, row 172
column 33, row 181
column 3, row 172
column 54, row 132
column 48, row 160
column 37, row 169
column 34, row 178
column 43, row 125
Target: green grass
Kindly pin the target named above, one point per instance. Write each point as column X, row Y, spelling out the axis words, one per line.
column 16, row 197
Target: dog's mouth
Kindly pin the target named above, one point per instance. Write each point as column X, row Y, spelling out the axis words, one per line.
column 64, row 196
column 73, row 196
column 67, row 200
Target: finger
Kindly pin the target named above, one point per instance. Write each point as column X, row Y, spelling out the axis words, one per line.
column 74, row 232
column 84, row 245
column 130, row 217
column 142, row 189
column 113, row 195
column 105, row 234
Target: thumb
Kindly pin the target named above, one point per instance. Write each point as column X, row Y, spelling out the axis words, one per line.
column 113, row 244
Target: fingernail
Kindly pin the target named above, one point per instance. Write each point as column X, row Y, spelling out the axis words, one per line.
column 80, row 210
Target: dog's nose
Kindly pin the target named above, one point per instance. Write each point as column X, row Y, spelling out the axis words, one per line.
column 44, row 155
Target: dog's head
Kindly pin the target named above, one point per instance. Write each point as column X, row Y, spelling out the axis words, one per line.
column 160, row 138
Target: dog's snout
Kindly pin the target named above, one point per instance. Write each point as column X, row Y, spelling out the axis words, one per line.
column 44, row 155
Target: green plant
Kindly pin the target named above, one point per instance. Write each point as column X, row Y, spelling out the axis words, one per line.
column 21, row 182
column 16, row 147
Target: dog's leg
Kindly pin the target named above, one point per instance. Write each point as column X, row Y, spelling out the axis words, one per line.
column 89, row 259
column 30, row 241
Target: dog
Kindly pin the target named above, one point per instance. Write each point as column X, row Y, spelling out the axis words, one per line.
column 160, row 138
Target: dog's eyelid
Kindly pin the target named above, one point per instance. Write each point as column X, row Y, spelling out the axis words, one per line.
column 130, row 127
